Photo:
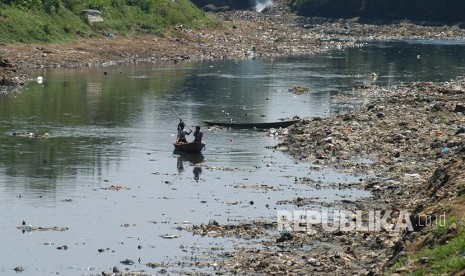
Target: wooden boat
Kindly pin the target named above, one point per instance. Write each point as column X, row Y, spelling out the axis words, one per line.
column 277, row 124
column 191, row 147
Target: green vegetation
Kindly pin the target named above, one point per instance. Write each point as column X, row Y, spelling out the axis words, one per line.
column 61, row 20
column 427, row 10
column 444, row 258
column 441, row 229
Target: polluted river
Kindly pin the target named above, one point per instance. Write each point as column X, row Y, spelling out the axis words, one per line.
column 91, row 182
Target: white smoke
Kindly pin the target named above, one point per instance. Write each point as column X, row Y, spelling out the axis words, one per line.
column 260, row 5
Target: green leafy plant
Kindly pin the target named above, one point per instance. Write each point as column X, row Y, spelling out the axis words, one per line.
column 61, row 20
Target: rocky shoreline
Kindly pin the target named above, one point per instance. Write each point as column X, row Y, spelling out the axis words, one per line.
column 408, row 140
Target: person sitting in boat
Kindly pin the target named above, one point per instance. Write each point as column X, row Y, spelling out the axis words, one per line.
column 198, row 135
column 182, row 133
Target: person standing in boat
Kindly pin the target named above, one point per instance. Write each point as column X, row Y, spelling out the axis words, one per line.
column 182, row 133
column 198, row 135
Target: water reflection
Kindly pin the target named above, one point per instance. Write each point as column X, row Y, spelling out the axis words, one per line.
column 191, row 158
column 197, row 171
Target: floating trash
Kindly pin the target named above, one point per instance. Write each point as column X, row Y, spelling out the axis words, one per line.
column 116, row 188
column 127, row 262
column 186, row 225
column 19, row 269
column 170, row 236
column 298, row 90
column 29, row 228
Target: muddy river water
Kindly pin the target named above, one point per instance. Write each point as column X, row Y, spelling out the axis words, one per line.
column 102, row 164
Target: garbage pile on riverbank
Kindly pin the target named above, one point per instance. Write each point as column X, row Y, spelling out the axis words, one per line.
column 411, row 141
column 402, row 133
column 407, row 142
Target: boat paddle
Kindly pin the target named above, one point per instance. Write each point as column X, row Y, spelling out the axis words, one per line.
column 180, row 118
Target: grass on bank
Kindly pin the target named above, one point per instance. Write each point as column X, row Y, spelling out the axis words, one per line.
column 39, row 21
column 38, row 26
column 445, row 259
column 442, row 258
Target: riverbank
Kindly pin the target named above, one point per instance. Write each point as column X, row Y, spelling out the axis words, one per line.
column 242, row 34
column 409, row 140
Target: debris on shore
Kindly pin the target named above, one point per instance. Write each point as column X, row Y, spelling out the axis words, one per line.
column 402, row 132
column 11, row 77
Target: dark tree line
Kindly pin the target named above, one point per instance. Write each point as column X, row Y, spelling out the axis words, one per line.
column 427, row 10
